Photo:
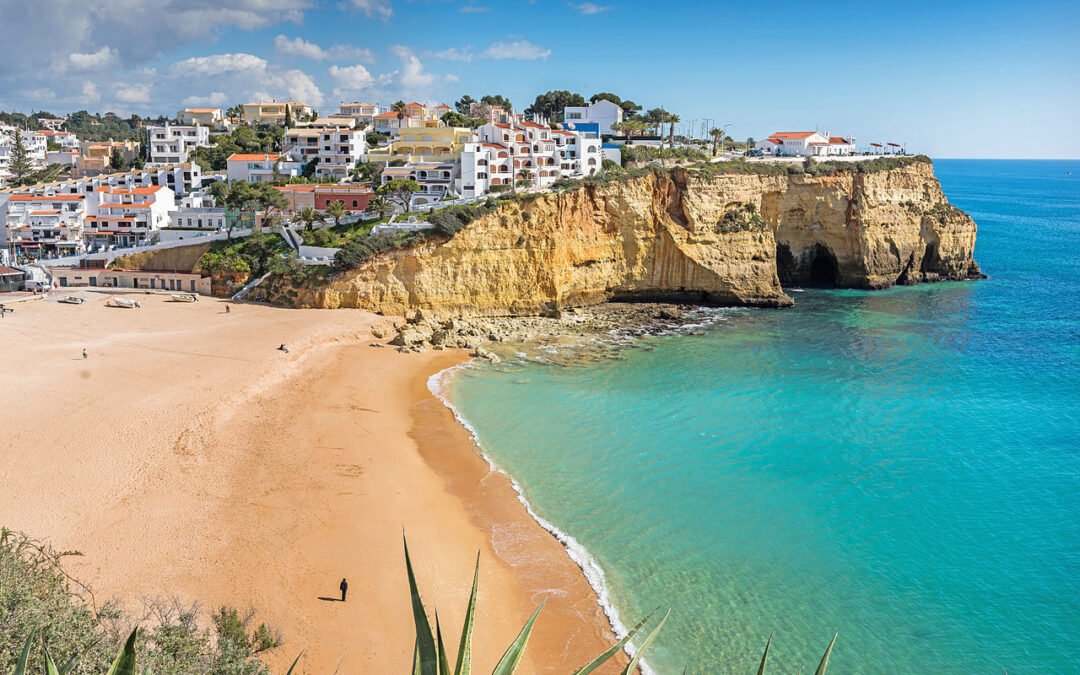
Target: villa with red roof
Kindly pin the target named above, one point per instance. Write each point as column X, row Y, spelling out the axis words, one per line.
column 806, row 144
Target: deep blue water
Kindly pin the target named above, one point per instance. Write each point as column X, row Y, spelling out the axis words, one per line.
column 902, row 466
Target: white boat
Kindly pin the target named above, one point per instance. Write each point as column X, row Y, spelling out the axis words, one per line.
column 72, row 300
column 124, row 303
column 184, row 297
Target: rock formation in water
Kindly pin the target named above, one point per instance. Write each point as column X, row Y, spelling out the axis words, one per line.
column 706, row 236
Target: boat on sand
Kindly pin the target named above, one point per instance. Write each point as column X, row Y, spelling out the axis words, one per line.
column 184, row 297
column 71, row 300
column 123, row 303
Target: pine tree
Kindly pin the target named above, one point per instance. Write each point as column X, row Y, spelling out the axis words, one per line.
column 21, row 166
column 288, row 117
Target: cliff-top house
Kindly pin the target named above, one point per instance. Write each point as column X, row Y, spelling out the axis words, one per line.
column 806, row 144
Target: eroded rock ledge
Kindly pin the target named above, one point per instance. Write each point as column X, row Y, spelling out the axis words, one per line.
column 679, row 236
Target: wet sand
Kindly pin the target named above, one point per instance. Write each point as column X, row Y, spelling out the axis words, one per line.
column 188, row 458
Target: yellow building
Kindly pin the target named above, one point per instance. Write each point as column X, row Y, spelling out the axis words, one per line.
column 427, row 142
column 274, row 112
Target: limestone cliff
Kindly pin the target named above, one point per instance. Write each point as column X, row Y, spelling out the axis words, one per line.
column 698, row 236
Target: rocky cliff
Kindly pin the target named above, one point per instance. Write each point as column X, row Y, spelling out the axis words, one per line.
column 708, row 236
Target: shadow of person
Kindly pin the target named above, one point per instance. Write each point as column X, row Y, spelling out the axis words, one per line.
column 326, row 599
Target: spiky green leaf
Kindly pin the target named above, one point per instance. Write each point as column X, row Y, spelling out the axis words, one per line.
column 444, row 663
column 125, row 660
column 427, row 659
column 69, row 665
column 825, row 659
column 603, row 658
column 295, row 661
column 50, row 666
column 20, row 665
column 630, row 667
column 464, row 655
column 765, row 656
column 510, row 660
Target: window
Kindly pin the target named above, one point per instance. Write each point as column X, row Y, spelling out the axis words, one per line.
column 355, row 203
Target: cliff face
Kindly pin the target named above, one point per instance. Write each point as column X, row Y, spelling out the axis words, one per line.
column 681, row 236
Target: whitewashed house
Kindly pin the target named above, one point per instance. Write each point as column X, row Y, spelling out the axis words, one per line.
column 172, row 144
column 123, row 217
column 207, row 117
column 337, row 149
column 262, row 168
column 595, row 118
column 806, row 144
column 362, row 113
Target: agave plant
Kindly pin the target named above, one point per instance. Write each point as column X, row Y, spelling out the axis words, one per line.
column 429, row 652
column 123, row 664
column 821, row 666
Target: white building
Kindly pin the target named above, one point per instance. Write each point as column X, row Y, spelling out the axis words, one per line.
column 805, row 144
column 262, row 168
column 172, row 144
column 596, row 118
column 122, row 217
column 207, row 117
column 36, row 145
column 42, row 225
column 64, row 139
column 436, row 179
column 336, row 149
column 274, row 112
column 363, row 113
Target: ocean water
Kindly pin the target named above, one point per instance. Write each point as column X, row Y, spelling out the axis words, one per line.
column 901, row 466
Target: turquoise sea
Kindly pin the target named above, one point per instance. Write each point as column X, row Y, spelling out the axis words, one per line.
column 902, row 466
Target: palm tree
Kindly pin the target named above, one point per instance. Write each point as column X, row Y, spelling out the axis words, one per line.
column 716, row 134
column 399, row 108
column 309, row 217
column 336, row 209
column 672, row 119
column 380, row 205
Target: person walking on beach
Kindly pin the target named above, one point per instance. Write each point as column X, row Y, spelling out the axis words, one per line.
column 84, row 354
column 283, row 348
column 228, row 309
column 344, row 586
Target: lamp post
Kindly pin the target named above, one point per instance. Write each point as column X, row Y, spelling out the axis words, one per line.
column 723, row 133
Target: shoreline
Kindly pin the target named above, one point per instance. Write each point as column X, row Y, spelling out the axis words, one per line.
column 586, row 563
column 496, row 503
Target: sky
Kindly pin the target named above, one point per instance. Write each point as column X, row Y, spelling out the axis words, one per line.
column 949, row 78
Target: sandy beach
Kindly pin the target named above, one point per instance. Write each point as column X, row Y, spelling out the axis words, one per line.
column 187, row 457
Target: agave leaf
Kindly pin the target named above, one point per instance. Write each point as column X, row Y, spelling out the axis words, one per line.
column 444, row 663
column 20, row 665
column 825, row 659
column 427, row 659
column 295, row 661
column 50, row 667
column 603, row 658
column 125, row 660
column 645, row 645
column 510, row 660
column 416, row 658
column 464, row 655
column 69, row 665
column 765, row 656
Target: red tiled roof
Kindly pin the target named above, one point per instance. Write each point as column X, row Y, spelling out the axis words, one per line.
column 838, row 140
column 794, row 135
column 386, row 115
column 241, row 157
column 46, row 198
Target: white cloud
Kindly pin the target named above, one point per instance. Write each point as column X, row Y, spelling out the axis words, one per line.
column 412, row 75
column 519, row 50
column 216, row 99
column 90, row 93
column 350, row 79
column 99, row 60
column 590, row 8
column 373, row 8
column 302, row 48
column 218, row 64
column 136, row 93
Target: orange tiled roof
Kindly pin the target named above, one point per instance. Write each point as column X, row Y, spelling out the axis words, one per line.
column 794, row 135
column 242, row 157
column 46, row 198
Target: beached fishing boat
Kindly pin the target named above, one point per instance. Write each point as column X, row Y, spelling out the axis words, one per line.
column 72, row 300
column 123, row 303
column 184, row 297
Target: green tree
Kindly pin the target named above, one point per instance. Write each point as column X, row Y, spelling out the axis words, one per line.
column 497, row 100
column 464, row 104
column 20, row 166
column 672, row 120
column 630, row 109
column 399, row 190
column 399, row 108
column 309, row 217
column 269, row 199
column 116, row 160
column 380, row 205
column 606, row 96
column 551, row 104
column 288, row 116
column 365, row 171
column 336, row 210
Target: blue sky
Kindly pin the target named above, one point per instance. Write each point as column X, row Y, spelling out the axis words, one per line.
column 952, row 79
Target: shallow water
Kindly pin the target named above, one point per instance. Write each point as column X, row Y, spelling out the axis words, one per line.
column 902, row 466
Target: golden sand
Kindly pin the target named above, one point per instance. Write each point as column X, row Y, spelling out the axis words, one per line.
column 187, row 457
